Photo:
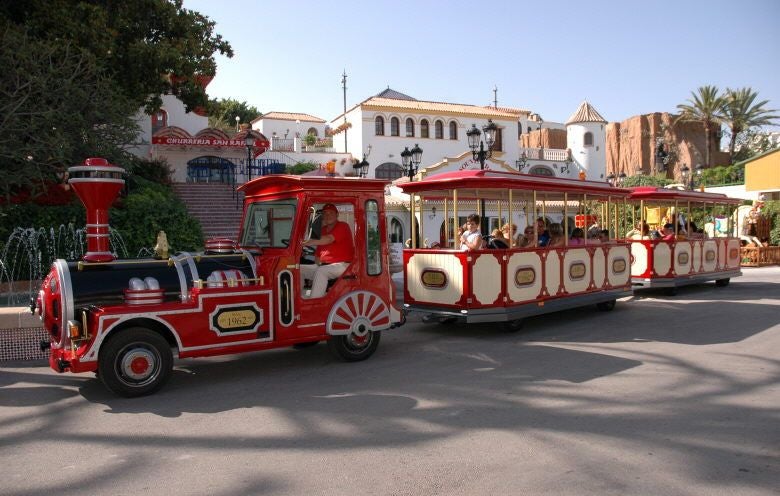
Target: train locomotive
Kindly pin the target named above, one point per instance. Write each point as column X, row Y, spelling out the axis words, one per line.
column 125, row 320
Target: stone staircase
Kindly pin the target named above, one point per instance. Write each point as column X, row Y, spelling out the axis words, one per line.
column 214, row 206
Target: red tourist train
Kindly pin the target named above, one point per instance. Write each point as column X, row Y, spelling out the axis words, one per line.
column 126, row 319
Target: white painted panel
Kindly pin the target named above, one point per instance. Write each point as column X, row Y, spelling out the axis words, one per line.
column 599, row 266
column 682, row 247
column 639, row 264
column 618, row 252
column 576, row 257
column 552, row 268
column 662, row 259
column 733, row 245
column 711, row 247
column 447, row 263
column 486, row 279
column 524, row 260
column 722, row 253
column 696, row 249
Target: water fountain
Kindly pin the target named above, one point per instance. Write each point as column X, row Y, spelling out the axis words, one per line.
column 29, row 252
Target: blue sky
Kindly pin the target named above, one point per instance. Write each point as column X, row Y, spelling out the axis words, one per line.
column 625, row 57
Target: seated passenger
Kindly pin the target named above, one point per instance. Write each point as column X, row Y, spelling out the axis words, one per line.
column 542, row 233
column 527, row 239
column 668, row 232
column 577, row 237
column 556, row 239
column 471, row 239
column 510, row 232
column 603, row 236
column 335, row 250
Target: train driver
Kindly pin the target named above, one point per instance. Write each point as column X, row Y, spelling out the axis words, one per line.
column 334, row 252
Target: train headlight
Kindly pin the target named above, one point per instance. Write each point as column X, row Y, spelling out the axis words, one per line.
column 74, row 329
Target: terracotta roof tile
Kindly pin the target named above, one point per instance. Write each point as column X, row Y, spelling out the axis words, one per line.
column 586, row 113
column 437, row 107
column 290, row 116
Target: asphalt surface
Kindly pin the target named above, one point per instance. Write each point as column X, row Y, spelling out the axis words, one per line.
column 662, row 396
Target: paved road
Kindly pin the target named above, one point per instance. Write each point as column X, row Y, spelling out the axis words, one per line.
column 669, row 396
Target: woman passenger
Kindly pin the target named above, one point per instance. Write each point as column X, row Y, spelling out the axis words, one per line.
column 556, row 236
column 577, row 237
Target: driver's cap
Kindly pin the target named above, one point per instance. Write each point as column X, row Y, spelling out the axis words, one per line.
column 330, row 207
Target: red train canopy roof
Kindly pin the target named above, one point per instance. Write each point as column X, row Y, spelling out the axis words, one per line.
column 651, row 193
column 478, row 183
column 274, row 184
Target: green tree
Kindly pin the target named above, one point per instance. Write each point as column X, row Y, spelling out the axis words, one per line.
column 742, row 112
column 302, row 167
column 145, row 47
column 57, row 108
column 706, row 107
column 223, row 113
column 752, row 142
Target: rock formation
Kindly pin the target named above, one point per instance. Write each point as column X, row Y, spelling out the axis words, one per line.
column 633, row 143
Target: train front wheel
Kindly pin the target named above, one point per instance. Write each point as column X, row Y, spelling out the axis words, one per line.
column 352, row 347
column 722, row 283
column 135, row 362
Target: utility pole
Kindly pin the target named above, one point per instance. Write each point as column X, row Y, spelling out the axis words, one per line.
column 344, row 87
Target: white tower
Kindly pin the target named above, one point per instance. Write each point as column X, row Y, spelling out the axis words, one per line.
column 586, row 137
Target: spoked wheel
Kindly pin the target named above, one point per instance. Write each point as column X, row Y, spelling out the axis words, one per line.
column 135, row 362
column 513, row 325
column 352, row 347
column 722, row 283
column 606, row 306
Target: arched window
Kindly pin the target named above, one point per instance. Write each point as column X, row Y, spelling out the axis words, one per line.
column 409, row 128
column 588, row 139
column 453, row 130
column 439, row 129
column 396, row 231
column 424, row 132
column 313, row 131
column 394, row 125
column 159, row 120
column 541, row 170
column 388, row 170
column 379, row 126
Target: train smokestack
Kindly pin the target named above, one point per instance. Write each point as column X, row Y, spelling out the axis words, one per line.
column 97, row 184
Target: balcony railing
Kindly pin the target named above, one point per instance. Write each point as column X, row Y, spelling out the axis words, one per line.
column 324, row 145
column 552, row 154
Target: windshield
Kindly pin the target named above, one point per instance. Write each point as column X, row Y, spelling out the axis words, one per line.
column 269, row 224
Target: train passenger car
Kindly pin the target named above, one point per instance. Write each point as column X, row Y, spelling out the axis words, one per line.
column 508, row 284
column 126, row 320
column 699, row 246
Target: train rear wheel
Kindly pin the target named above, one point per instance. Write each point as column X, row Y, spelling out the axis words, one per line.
column 135, row 362
column 352, row 347
column 722, row 283
column 606, row 306
column 513, row 325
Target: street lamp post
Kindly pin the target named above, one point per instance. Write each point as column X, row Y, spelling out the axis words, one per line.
column 250, row 143
column 481, row 155
column 411, row 161
column 361, row 168
column 684, row 171
column 522, row 162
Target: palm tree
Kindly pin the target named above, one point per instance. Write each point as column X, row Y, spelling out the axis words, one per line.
column 705, row 107
column 741, row 113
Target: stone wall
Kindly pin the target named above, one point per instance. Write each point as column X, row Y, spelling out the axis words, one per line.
column 548, row 138
column 632, row 144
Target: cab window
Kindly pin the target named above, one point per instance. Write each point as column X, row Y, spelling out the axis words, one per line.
column 373, row 246
column 269, row 224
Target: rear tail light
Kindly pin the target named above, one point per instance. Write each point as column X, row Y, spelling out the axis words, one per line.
column 74, row 329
